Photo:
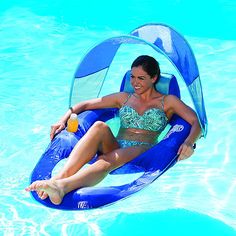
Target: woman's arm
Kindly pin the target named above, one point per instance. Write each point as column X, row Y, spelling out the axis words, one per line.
column 175, row 106
column 109, row 101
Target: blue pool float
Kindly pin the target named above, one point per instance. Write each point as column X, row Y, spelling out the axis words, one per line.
column 155, row 161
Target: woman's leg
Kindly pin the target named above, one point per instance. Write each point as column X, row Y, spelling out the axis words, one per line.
column 98, row 138
column 56, row 189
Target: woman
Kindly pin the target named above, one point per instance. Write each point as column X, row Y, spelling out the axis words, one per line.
column 143, row 114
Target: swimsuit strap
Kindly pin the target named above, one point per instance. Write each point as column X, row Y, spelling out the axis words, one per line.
column 130, row 94
column 162, row 102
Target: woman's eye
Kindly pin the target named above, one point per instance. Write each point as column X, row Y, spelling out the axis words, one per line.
column 140, row 78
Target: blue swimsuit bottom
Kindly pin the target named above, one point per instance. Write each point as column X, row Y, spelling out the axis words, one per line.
column 130, row 143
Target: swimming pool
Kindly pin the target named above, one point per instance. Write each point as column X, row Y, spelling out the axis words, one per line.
column 40, row 46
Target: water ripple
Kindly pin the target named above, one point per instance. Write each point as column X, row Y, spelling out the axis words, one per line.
column 36, row 67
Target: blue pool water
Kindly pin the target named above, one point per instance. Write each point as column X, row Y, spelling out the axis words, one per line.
column 41, row 44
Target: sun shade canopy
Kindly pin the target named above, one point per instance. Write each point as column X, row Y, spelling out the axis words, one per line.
column 165, row 40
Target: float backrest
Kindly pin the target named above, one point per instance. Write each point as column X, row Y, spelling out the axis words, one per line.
column 167, row 84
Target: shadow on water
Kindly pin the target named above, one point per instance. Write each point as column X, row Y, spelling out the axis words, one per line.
column 170, row 222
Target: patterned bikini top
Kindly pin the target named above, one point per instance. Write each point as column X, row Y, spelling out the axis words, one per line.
column 153, row 119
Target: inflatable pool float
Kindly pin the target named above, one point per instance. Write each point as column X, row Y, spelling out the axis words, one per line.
column 154, row 162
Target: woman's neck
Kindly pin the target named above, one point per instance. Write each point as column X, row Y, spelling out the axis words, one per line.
column 147, row 95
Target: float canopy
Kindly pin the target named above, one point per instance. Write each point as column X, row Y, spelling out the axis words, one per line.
column 161, row 38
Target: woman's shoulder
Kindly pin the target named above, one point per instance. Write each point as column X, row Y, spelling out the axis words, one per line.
column 120, row 97
column 170, row 101
column 170, row 98
column 124, row 96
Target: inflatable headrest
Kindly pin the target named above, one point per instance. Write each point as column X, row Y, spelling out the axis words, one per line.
column 167, row 84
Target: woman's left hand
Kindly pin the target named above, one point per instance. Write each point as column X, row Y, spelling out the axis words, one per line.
column 185, row 151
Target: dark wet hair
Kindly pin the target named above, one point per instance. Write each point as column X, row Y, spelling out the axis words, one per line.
column 149, row 65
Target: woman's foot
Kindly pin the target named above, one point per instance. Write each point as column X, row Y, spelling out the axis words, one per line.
column 48, row 188
column 42, row 195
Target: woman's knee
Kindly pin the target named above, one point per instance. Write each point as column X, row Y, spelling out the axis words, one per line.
column 100, row 125
column 105, row 164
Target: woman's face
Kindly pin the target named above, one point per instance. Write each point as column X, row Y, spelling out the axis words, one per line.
column 141, row 80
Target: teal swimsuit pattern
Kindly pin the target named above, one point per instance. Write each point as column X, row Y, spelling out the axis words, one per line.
column 130, row 143
column 153, row 119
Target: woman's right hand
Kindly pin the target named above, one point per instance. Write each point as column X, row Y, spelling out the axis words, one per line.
column 56, row 128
